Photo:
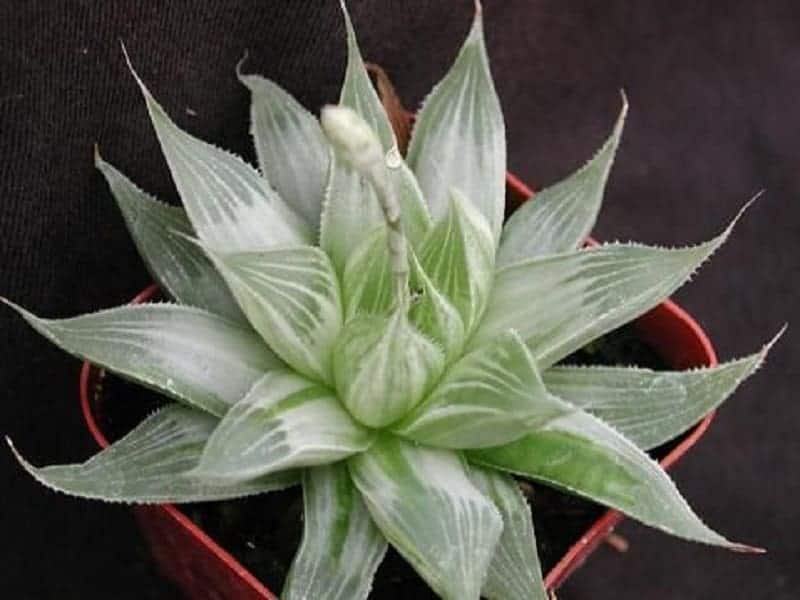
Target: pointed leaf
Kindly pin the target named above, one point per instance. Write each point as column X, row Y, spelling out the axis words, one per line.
column 291, row 296
column 490, row 397
column 351, row 210
column 149, row 465
column 193, row 356
column 358, row 92
column 459, row 137
column 458, row 257
column 651, row 407
column 179, row 266
column 582, row 455
column 284, row 422
column 559, row 218
column 383, row 366
column 515, row 572
column 560, row 303
column 292, row 151
column 424, row 503
column 341, row 547
column 231, row 207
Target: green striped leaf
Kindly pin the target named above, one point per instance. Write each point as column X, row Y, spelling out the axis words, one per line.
column 149, row 465
column 515, row 572
column 383, row 366
column 291, row 296
column 558, row 219
column 458, row 258
column 581, row 455
column 651, row 407
column 491, row 396
column 424, row 503
column 351, row 211
column 341, row 547
column 292, row 150
column 193, row 356
column 459, row 136
column 160, row 232
column 284, row 422
column 560, row 303
column 230, row 205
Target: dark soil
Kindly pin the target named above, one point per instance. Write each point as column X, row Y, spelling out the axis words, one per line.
column 263, row 532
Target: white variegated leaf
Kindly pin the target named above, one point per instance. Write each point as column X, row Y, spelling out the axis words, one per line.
column 458, row 258
column 515, row 572
column 149, row 465
column 367, row 283
column 285, row 421
column 560, row 303
column 159, row 231
column 383, row 366
column 358, row 92
column 651, row 407
column 291, row 297
column 558, row 218
column 459, row 137
column 351, row 210
column 433, row 314
column 489, row 397
column 424, row 503
column 193, row 356
column 230, row 205
column 341, row 547
column 292, row 150
column 367, row 289
column 583, row 456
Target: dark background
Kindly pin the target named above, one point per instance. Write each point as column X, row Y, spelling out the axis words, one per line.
column 714, row 89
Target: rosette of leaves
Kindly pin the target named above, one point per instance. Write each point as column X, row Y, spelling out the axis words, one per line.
column 364, row 325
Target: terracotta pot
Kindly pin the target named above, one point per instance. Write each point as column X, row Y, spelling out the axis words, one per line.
column 204, row 570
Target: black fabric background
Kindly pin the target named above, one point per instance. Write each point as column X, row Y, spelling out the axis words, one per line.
column 714, row 90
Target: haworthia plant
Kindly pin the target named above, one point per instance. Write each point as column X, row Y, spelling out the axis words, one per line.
column 403, row 370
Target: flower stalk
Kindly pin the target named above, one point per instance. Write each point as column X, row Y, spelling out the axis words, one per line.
column 360, row 147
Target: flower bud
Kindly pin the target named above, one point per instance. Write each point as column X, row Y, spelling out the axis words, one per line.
column 352, row 137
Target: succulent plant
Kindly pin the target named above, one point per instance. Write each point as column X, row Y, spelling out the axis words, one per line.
column 365, row 325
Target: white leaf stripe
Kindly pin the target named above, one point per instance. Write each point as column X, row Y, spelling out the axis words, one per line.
column 424, row 503
column 187, row 353
column 515, row 572
column 159, row 231
column 562, row 302
column 559, row 217
column 292, row 150
column 459, row 136
column 341, row 547
column 229, row 204
column 284, row 422
column 291, row 296
column 149, row 465
column 651, row 407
